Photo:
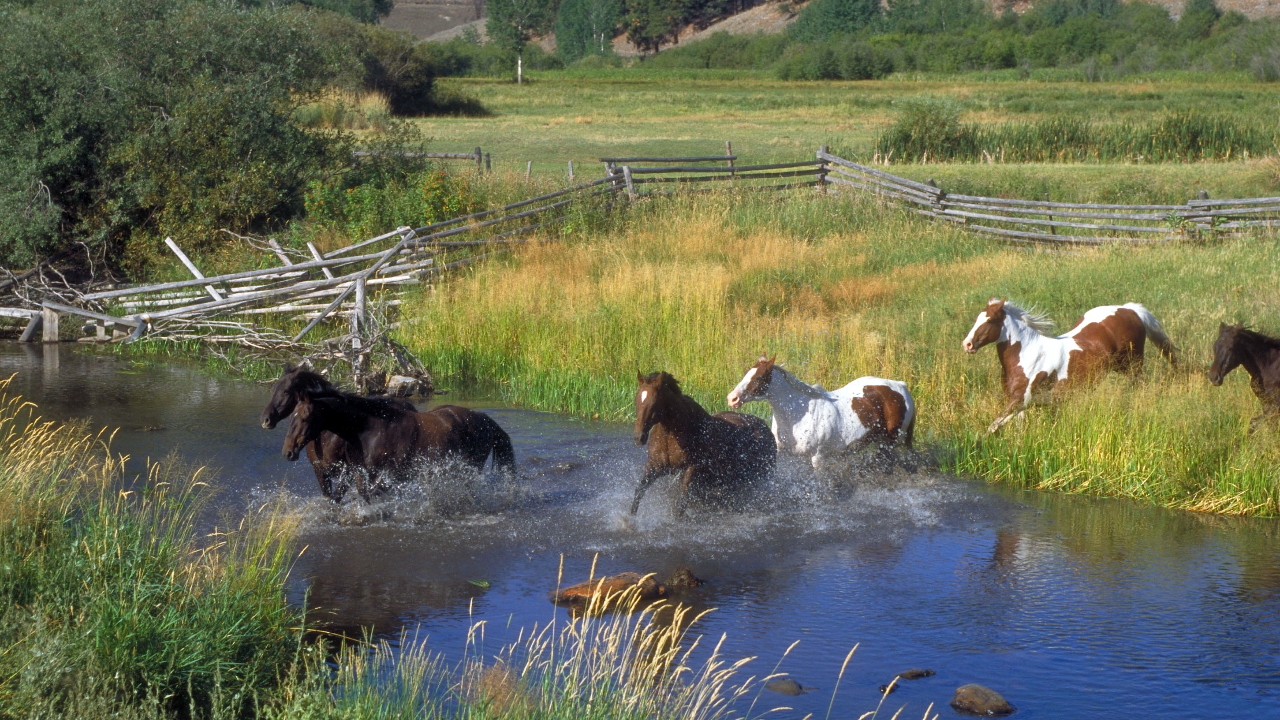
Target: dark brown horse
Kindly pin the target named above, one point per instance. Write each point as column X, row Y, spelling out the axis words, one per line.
column 1259, row 355
column 387, row 442
column 714, row 454
column 327, row 453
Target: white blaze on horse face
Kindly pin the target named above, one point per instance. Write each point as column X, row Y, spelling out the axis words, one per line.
column 968, row 339
column 735, row 395
column 644, row 395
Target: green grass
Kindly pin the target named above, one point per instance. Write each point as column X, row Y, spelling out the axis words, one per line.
column 582, row 116
column 841, row 287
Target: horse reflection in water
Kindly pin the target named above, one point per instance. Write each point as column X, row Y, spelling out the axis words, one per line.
column 386, row 443
column 716, row 456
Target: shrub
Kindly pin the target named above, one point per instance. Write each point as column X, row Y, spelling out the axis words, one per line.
column 928, row 129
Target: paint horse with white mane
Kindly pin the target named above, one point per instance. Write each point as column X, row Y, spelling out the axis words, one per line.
column 1109, row 337
column 811, row 422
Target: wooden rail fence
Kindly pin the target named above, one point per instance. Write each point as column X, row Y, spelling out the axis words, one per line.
column 315, row 286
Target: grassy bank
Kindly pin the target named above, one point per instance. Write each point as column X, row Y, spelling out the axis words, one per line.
column 114, row 607
column 839, row 287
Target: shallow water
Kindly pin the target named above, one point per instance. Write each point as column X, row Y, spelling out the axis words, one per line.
column 1071, row 607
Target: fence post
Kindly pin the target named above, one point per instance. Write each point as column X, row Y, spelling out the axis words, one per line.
column 570, row 171
column 33, row 327
column 822, row 177
column 487, row 167
column 1052, row 229
column 528, row 169
column 479, row 161
column 939, row 207
column 49, row 318
column 728, row 151
column 626, row 176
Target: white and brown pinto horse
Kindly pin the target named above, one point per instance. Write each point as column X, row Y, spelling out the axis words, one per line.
column 811, row 422
column 1109, row 337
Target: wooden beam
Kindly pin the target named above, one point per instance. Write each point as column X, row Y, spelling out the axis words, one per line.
column 191, row 266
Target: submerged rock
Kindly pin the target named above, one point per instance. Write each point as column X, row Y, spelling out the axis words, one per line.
column 648, row 588
column 683, row 579
column 403, row 386
column 787, row 686
column 975, row 699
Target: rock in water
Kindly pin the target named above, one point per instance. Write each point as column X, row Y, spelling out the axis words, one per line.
column 787, row 686
column 582, row 593
column 915, row 674
column 403, row 386
column 975, row 699
column 683, row 579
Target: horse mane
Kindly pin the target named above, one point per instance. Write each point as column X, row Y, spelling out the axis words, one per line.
column 1030, row 317
column 381, row 408
column 1254, row 336
column 813, row 391
column 663, row 379
column 315, row 385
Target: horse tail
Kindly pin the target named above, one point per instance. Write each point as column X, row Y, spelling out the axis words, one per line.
column 504, row 455
column 1156, row 332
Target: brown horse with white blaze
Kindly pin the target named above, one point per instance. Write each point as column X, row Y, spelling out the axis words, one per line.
column 1109, row 337
column 715, row 455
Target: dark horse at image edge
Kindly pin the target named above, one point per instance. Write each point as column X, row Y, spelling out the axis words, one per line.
column 382, row 437
column 715, row 455
column 1259, row 355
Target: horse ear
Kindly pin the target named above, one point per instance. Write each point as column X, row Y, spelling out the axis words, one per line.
column 773, row 359
column 1222, row 326
column 763, row 358
column 639, row 376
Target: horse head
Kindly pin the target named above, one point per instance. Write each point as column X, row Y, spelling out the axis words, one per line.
column 304, row 427
column 1225, row 355
column 652, row 397
column 295, row 383
column 754, row 385
column 988, row 328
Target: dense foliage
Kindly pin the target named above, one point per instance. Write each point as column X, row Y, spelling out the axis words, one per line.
column 126, row 121
column 842, row 39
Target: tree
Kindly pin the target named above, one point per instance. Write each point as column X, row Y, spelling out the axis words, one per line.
column 513, row 23
column 586, row 27
column 653, row 22
column 1198, row 18
column 826, row 18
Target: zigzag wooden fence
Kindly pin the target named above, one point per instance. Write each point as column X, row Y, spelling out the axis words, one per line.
column 316, row 287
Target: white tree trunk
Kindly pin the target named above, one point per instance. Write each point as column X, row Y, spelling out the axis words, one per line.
column 520, row 67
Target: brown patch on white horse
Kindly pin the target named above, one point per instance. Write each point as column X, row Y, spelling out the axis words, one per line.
column 886, row 414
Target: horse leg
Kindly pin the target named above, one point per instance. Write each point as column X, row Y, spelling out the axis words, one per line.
column 686, row 478
column 650, row 474
column 1012, row 409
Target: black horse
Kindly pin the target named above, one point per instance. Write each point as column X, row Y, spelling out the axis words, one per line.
column 327, row 453
column 1238, row 346
column 386, row 442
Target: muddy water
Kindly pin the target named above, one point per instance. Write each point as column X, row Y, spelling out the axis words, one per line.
column 1071, row 607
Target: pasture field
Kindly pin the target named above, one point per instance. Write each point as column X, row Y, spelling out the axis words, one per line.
column 840, row 287
column 584, row 115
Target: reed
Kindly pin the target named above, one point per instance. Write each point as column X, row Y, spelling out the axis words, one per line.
column 347, row 110
column 841, row 287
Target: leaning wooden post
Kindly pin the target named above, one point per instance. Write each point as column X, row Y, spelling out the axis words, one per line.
column 479, row 161
column 939, row 207
column 357, row 332
column 315, row 253
column 49, row 319
column 33, row 327
column 626, row 177
column 191, row 266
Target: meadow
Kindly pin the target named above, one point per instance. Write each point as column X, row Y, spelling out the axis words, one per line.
column 840, row 286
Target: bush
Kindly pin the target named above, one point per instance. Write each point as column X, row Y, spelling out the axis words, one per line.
column 126, row 120
column 373, row 201
column 928, row 129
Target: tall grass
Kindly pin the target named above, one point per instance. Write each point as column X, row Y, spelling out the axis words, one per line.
column 843, row 287
column 346, row 110
column 931, row 130
column 111, row 599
